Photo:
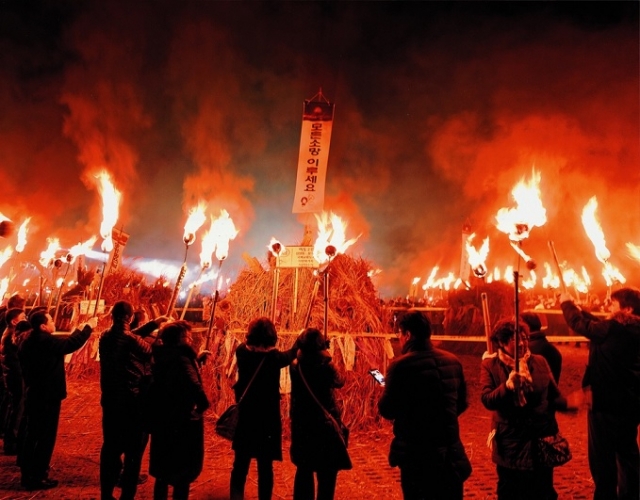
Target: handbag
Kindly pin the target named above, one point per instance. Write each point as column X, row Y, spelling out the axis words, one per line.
column 553, row 451
column 337, row 433
column 228, row 421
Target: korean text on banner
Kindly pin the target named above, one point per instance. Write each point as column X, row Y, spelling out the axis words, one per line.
column 317, row 120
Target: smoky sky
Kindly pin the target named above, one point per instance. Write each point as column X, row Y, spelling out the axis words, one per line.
column 441, row 108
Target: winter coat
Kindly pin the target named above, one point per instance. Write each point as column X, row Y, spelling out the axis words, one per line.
column 425, row 392
column 41, row 356
column 259, row 430
column 310, row 446
column 613, row 370
column 11, row 370
column 517, row 427
column 538, row 344
column 177, row 401
column 125, row 362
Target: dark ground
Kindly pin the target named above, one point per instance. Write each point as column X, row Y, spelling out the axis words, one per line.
column 76, row 458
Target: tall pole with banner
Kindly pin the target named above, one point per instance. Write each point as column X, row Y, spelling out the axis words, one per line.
column 317, row 121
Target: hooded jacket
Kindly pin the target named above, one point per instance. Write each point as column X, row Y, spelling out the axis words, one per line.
column 613, row 370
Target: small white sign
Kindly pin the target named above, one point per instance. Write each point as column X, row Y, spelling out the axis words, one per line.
column 297, row 257
column 87, row 306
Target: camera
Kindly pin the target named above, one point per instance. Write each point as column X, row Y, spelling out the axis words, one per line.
column 378, row 377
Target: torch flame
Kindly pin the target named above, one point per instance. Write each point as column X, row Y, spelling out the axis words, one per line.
column 194, row 222
column 4, row 286
column 110, row 205
column 224, row 230
column 477, row 258
column 331, row 233
column 529, row 212
column 22, row 235
column 550, row 280
column 208, row 246
column 275, row 247
column 594, row 230
column 46, row 257
column 4, row 257
column 82, row 248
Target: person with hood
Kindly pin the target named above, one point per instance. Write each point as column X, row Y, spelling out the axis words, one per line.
column 178, row 401
column 313, row 380
column 611, row 384
column 259, row 431
column 424, row 394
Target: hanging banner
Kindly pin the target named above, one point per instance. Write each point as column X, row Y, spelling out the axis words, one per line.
column 317, row 120
column 120, row 239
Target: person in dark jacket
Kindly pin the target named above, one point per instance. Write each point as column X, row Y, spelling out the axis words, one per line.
column 539, row 344
column 12, row 377
column 41, row 357
column 424, row 394
column 177, row 401
column 125, row 374
column 312, row 450
column 611, row 384
column 523, row 402
column 259, row 430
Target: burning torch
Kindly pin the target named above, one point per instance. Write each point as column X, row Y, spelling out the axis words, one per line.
column 223, row 231
column 517, row 223
column 194, row 221
column 276, row 248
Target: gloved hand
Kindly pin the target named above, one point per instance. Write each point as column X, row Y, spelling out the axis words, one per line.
column 92, row 323
column 514, row 381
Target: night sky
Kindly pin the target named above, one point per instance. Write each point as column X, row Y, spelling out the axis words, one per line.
column 441, row 108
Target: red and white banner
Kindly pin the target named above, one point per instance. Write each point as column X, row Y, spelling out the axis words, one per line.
column 317, row 120
column 120, row 239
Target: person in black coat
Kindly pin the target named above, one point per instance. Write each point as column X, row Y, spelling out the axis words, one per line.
column 41, row 357
column 259, row 431
column 177, row 401
column 611, row 384
column 539, row 344
column 424, row 395
column 312, row 450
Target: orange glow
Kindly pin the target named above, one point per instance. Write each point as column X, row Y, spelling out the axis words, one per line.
column 22, row 235
column 224, row 230
column 331, row 233
column 46, row 257
column 529, row 212
column 194, row 222
column 110, row 206
column 634, row 251
column 4, row 286
column 208, row 246
column 550, row 280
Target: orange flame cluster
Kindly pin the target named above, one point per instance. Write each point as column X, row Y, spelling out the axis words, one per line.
column 48, row 255
column 195, row 220
column 22, row 235
column 110, row 208
column 221, row 231
column 517, row 222
column 477, row 258
column 81, row 248
column 331, row 233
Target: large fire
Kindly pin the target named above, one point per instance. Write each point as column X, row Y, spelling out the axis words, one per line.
column 331, row 237
column 110, row 208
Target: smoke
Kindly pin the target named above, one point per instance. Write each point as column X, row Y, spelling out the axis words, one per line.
column 440, row 110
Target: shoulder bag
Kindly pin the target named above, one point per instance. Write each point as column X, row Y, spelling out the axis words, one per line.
column 228, row 421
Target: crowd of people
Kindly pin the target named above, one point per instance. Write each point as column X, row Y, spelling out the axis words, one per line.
column 152, row 394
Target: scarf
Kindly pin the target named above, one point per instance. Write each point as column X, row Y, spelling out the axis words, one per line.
column 526, row 384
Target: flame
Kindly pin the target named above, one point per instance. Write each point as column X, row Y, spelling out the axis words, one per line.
column 585, row 277
column 477, row 258
column 530, row 282
column 430, row 280
column 5, row 255
column 22, row 235
column 550, row 280
column 4, row 286
column 208, row 246
column 333, row 236
column 594, row 230
column 224, row 230
column 194, row 221
column 415, row 280
column 634, row 251
column 612, row 275
column 529, row 212
column 46, row 257
column 110, row 205
column 82, row 248
column 275, row 247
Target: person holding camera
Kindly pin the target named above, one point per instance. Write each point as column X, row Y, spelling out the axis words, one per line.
column 425, row 391
column 314, row 447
